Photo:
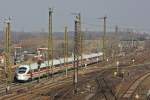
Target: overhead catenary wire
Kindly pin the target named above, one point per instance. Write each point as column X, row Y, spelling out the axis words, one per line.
column 111, row 27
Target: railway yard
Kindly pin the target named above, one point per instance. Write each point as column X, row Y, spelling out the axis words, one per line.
column 91, row 59
column 96, row 82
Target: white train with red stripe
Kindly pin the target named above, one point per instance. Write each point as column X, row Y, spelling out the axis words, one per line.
column 27, row 72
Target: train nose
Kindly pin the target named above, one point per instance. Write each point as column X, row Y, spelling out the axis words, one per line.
column 21, row 77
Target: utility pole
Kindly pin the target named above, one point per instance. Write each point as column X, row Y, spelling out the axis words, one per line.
column 50, row 43
column 81, row 38
column 76, row 53
column 132, row 39
column 78, row 16
column 66, row 50
column 116, row 50
column 116, row 43
column 104, row 38
column 39, row 65
column 7, row 54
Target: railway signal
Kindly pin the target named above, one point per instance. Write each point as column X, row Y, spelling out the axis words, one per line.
column 117, row 66
column 137, row 96
column 133, row 61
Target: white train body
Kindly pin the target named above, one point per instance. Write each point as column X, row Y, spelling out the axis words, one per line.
column 27, row 72
column 21, row 72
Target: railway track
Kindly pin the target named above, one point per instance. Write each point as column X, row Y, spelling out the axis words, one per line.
column 15, row 88
column 136, row 70
column 37, row 90
column 133, row 86
column 41, row 88
column 64, row 93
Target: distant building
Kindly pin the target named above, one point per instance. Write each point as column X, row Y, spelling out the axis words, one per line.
column 128, row 44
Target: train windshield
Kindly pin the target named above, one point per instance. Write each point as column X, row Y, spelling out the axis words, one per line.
column 22, row 70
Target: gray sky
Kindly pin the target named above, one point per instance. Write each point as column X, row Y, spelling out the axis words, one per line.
column 32, row 15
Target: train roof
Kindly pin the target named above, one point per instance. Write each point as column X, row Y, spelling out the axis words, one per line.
column 60, row 61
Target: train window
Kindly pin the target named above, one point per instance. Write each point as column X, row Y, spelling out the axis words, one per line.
column 22, row 70
column 35, row 70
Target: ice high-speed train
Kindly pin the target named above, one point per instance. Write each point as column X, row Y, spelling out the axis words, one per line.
column 28, row 72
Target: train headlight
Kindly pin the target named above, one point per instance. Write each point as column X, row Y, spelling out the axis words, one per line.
column 137, row 96
column 115, row 73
